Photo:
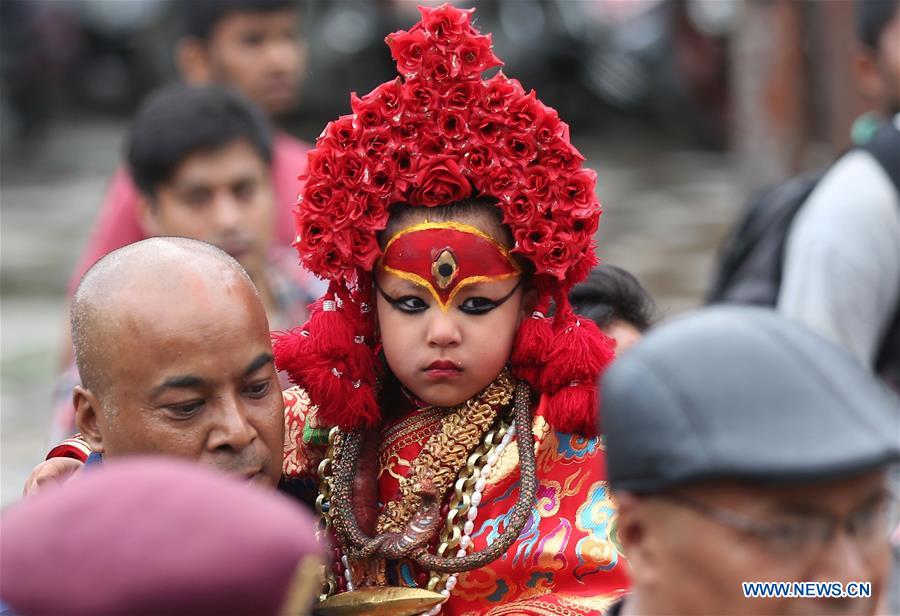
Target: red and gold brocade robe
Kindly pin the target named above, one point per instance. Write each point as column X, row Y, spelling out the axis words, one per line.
column 566, row 560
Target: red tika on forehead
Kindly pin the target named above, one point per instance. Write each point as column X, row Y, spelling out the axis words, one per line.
column 444, row 258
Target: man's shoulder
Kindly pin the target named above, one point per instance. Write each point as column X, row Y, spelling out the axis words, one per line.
column 289, row 148
column 855, row 197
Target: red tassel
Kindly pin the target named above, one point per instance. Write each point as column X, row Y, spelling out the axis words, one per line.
column 574, row 409
column 336, row 367
column 289, row 348
column 578, row 353
column 534, row 338
column 333, row 330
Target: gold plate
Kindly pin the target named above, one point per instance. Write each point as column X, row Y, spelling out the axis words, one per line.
column 387, row 600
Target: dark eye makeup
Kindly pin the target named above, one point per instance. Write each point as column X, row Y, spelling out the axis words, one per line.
column 412, row 304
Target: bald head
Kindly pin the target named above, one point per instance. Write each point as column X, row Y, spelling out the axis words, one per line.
column 161, row 274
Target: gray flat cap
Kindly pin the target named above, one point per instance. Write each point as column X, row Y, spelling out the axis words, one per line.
column 737, row 392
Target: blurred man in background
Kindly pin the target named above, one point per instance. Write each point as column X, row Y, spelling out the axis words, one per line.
column 615, row 300
column 255, row 47
column 743, row 448
column 200, row 157
column 841, row 272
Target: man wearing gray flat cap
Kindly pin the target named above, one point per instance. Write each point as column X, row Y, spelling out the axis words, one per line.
column 749, row 459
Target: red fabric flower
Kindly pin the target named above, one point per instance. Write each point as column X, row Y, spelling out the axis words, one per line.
column 339, row 135
column 441, row 67
column 462, row 95
column 519, row 147
column 579, row 188
column 439, row 183
column 446, row 25
column 452, row 125
column 476, row 56
column 500, row 92
column 408, row 50
column 521, row 211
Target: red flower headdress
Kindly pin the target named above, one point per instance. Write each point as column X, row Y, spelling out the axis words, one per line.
column 436, row 135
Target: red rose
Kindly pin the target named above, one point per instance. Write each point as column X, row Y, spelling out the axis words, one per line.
column 432, row 145
column 350, row 169
column 520, row 211
column 522, row 112
column 326, row 263
column 320, row 163
column 531, row 239
column 579, row 188
column 487, row 129
column 404, row 164
column 519, row 147
column 452, row 125
column 359, row 246
column 419, row 96
column 479, row 160
column 377, row 143
column 315, row 196
column 389, row 97
column 312, row 232
column 548, row 126
column 407, row 133
column 345, row 208
column 408, row 50
column 375, row 216
column 560, row 158
column 539, row 185
column 555, row 258
column 367, row 111
column 476, row 56
column 461, row 95
column 441, row 67
column 440, row 183
column 447, row 25
column 582, row 221
column 502, row 183
column 499, row 92
column 340, row 135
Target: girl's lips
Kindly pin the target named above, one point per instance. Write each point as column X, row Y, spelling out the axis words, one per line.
column 443, row 364
column 442, row 369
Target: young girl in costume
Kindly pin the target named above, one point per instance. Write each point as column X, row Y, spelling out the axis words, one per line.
column 446, row 419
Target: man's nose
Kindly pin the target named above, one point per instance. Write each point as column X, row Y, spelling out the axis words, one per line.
column 443, row 330
column 281, row 55
column 233, row 429
column 227, row 212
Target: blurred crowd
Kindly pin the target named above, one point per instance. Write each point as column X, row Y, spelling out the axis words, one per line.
column 748, row 443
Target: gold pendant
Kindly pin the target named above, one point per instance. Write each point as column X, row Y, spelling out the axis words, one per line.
column 381, row 600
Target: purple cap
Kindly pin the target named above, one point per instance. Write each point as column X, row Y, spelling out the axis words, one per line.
column 153, row 536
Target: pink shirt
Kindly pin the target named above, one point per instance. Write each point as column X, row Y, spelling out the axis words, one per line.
column 117, row 222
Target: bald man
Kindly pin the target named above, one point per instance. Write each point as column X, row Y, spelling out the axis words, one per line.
column 172, row 346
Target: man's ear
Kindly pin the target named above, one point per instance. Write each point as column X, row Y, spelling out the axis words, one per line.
column 636, row 537
column 192, row 61
column 88, row 417
column 148, row 216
